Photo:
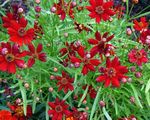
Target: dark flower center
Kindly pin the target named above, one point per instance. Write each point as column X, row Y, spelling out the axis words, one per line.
column 111, row 72
column 138, row 55
column 99, row 10
column 64, row 81
column 19, row 111
column 141, row 24
column 21, row 32
column 58, row 108
column 76, row 115
column 9, row 57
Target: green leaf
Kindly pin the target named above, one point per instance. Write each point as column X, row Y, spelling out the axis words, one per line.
column 95, row 104
column 106, row 114
column 136, row 96
column 83, row 96
column 24, row 97
column 47, row 107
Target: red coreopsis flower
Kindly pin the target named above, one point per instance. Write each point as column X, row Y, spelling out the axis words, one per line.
column 145, row 38
column 58, row 109
column 7, row 19
column 141, row 25
column 10, row 57
column 35, row 53
column 18, row 111
column 38, row 30
column 80, row 27
column 101, row 45
column 119, row 11
column 65, row 82
column 62, row 8
column 18, row 33
column 91, row 91
column 77, row 115
column 113, row 73
column 6, row 115
column 100, row 10
column 70, row 49
column 137, row 56
column 86, row 59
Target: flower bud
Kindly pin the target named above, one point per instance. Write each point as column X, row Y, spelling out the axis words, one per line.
column 55, row 69
column 123, row 80
column 50, row 89
column 102, row 103
column 65, row 34
column 37, row 9
column 53, row 9
column 52, row 77
column 74, row 4
column 20, row 10
column 132, row 99
column 138, row 74
column 76, row 64
column 18, row 101
column 26, row 85
column 132, row 69
column 37, row 1
column 128, row 31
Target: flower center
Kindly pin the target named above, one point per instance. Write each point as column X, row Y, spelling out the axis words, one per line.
column 19, row 111
column 99, row 10
column 9, row 57
column 64, row 81
column 76, row 115
column 138, row 54
column 111, row 72
column 21, row 32
column 58, row 108
column 140, row 24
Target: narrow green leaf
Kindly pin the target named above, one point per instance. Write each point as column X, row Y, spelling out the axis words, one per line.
column 24, row 97
column 95, row 104
column 136, row 96
column 83, row 96
column 147, row 86
column 106, row 114
column 47, row 107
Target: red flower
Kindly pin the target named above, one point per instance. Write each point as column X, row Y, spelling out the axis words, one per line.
column 91, row 91
column 7, row 19
column 140, row 26
column 65, row 82
column 63, row 8
column 145, row 37
column 18, row 111
column 80, row 27
column 18, row 34
column 101, row 45
column 86, row 59
column 70, row 49
column 113, row 73
column 10, row 57
column 35, row 54
column 6, row 115
column 38, row 30
column 100, row 10
column 119, row 11
column 137, row 56
column 58, row 109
